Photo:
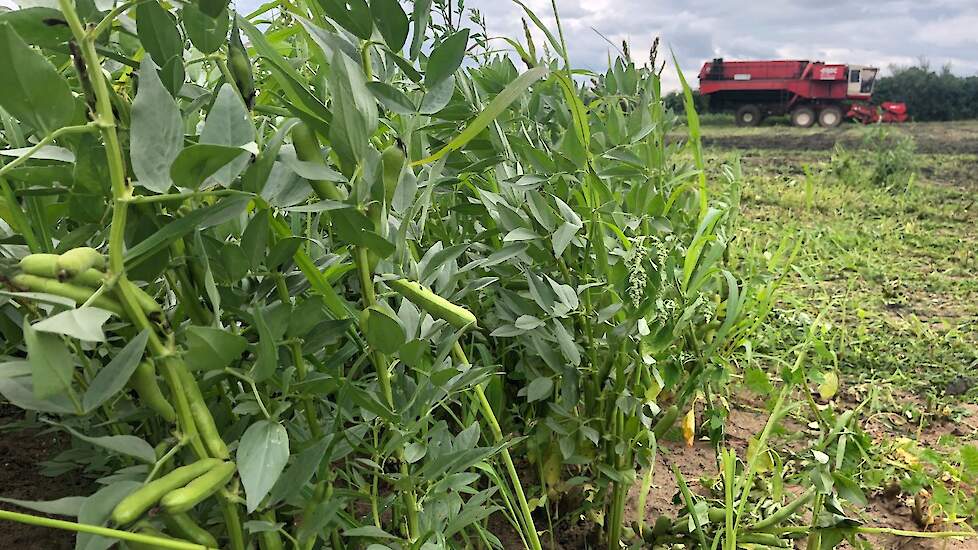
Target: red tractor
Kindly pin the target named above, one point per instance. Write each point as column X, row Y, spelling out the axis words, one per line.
column 807, row 91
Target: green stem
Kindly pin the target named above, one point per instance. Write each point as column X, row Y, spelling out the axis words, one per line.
column 171, row 197
column 497, row 435
column 308, row 407
column 81, row 128
column 156, row 542
column 381, row 366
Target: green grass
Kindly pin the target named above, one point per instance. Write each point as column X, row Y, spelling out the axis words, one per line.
column 893, row 273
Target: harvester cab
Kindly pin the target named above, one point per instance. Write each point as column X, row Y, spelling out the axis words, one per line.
column 861, row 81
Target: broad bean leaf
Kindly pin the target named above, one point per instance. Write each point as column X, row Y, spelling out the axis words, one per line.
column 446, row 58
column 113, row 377
column 262, row 455
column 34, row 92
column 156, row 134
column 52, row 365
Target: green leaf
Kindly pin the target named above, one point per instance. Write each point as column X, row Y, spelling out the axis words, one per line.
column 266, row 359
column 391, row 21
column 52, row 365
column 205, row 217
column 20, row 392
column 96, row 510
column 113, row 377
column 438, row 97
column 446, row 58
column 354, row 112
column 172, row 75
column 67, row 506
column 301, row 470
column 383, row 329
column 158, row 33
column 421, row 16
column 207, row 33
column 83, row 323
column 392, row 98
column 849, row 489
column 369, row 531
column 33, row 92
column 352, row 15
column 495, row 107
column 758, row 381
column 262, row 455
column 41, row 27
column 46, row 152
column 287, row 76
column 254, row 241
column 539, row 389
column 198, row 162
column 211, row 348
column 520, row 234
column 129, row 445
column 969, row 460
column 213, row 8
column 229, row 124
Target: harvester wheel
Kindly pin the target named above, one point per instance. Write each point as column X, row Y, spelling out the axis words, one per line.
column 830, row 117
column 803, row 117
column 748, row 115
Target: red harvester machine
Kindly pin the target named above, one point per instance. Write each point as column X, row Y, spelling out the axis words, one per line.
column 808, row 91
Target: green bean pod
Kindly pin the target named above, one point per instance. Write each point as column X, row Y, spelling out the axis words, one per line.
column 78, row 294
column 147, row 303
column 307, row 150
column 392, row 161
column 784, row 512
column 139, row 501
column 78, row 260
column 203, row 419
column 240, row 66
column 42, row 265
column 199, row 489
column 145, row 545
column 666, row 422
column 435, row 305
column 185, row 527
column 144, row 381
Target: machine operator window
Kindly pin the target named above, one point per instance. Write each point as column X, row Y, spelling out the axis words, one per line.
column 868, row 79
column 854, row 75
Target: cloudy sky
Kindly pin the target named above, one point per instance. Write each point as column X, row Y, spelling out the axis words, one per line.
column 880, row 33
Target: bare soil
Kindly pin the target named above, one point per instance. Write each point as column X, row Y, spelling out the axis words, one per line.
column 21, row 478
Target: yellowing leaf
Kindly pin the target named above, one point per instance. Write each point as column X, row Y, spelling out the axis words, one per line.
column 829, row 386
column 689, row 426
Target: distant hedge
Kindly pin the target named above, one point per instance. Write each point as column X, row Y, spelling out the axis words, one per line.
column 930, row 94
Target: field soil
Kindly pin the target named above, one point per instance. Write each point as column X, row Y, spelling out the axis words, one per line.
column 21, row 450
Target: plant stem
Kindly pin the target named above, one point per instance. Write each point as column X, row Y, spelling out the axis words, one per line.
column 381, row 366
column 156, row 542
column 67, row 130
column 497, row 435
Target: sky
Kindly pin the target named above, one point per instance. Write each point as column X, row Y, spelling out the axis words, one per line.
column 879, row 33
